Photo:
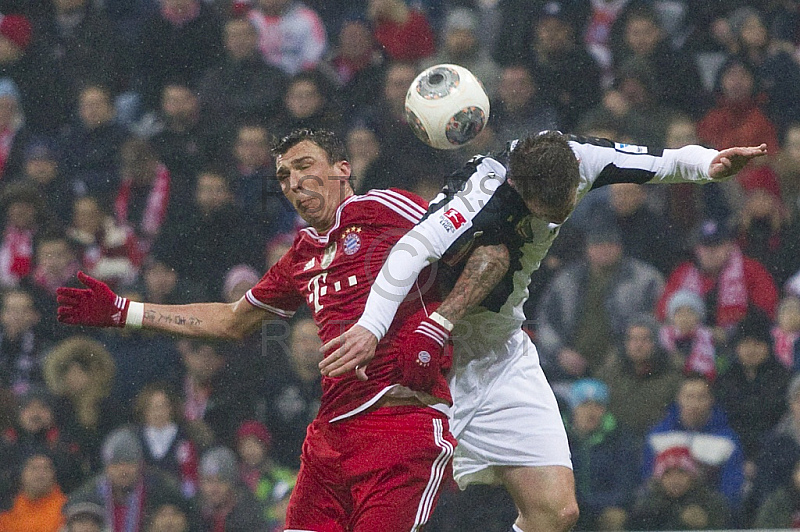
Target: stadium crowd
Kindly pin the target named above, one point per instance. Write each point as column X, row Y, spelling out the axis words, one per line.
column 135, row 145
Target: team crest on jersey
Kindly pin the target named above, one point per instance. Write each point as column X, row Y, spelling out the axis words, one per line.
column 351, row 241
column 327, row 256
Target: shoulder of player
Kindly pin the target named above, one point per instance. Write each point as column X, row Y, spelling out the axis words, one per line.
column 378, row 203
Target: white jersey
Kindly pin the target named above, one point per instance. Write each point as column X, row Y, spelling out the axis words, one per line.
column 504, row 412
column 478, row 207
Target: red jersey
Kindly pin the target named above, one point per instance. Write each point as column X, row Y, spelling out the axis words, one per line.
column 333, row 272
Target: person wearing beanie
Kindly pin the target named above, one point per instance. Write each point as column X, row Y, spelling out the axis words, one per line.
column 677, row 497
column 127, row 490
column 753, row 390
column 685, row 337
column 269, row 482
column 226, row 504
column 604, row 457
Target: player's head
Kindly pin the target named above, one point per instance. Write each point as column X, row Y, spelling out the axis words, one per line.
column 544, row 170
column 313, row 171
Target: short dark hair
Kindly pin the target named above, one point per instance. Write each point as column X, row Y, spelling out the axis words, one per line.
column 544, row 167
column 325, row 139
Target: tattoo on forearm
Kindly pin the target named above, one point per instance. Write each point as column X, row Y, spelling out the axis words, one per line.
column 485, row 267
column 177, row 319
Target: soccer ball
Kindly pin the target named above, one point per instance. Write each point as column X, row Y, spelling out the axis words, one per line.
column 446, row 106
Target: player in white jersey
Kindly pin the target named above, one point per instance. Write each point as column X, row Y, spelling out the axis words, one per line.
column 504, row 216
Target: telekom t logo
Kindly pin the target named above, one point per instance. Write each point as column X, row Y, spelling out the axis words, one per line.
column 455, row 217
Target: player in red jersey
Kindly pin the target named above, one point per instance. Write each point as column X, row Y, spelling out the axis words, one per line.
column 375, row 456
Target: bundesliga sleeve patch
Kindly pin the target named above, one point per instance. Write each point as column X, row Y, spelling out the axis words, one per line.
column 629, row 148
column 452, row 220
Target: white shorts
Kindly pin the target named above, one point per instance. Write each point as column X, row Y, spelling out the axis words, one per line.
column 505, row 414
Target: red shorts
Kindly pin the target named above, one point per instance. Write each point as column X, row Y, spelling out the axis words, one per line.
column 382, row 470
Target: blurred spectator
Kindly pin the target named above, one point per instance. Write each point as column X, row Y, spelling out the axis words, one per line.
column 165, row 442
column 676, row 80
column 269, row 482
column 690, row 343
column 199, row 246
column 780, row 508
column 169, row 518
column 764, row 230
column 646, row 234
column 78, row 40
column 226, row 504
column 160, row 283
column 41, row 170
column 599, row 31
column 79, row 371
column 737, row 119
column 786, row 332
column 370, row 166
column 182, row 144
column 24, row 216
column 128, row 492
column 85, row 517
column 21, row 345
column 462, row 46
column 35, row 430
column 677, row 497
column 604, row 458
column 779, row 450
column 775, row 67
column 413, row 161
column 686, row 203
column 179, row 42
column 356, row 65
column 37, row 506
column 568, row 76
column 642, row 379
column 584, row 311
column 518, row 109
column 632, row 107
column 696, row 421
column 13, row 135
column 108, row 250
column 753, row 390
column 404, row 33
column 787, row 166
column 238, row 281
column 215, row 394
column 307, row 103
column 727, row 280
column 42, row 103
column 91, row 144
column 292, row 397
column 243, row 86
column 291, row 35
column 56, row 265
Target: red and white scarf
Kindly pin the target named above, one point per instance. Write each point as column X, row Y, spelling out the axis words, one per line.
column 157, row 201
column 16, row 255
column 731, row 287
column 783, row 343
column 702, row 355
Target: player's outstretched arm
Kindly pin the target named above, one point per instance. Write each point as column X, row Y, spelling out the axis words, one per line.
column 485, row 267
column 730, row 161
column 98, row 306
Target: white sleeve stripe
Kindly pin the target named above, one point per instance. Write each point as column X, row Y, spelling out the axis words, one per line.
column 275, row 310
column 432, row 337
column 392, row 206
column 401, row 198
column 416, row 211
column 427, row 327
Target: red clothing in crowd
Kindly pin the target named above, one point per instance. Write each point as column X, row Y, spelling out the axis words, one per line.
column 737, row 124
column 406, row 42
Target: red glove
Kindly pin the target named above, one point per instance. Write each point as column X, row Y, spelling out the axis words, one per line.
column 423, row 357
column 96, row 306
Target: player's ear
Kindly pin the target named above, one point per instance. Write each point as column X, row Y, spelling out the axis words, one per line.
column 343, row 167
